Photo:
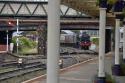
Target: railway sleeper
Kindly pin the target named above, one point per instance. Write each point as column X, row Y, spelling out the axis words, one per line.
column 19, row 73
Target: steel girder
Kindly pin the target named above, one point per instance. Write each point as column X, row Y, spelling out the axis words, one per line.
column 33, row 9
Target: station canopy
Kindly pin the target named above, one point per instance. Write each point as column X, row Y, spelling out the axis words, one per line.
column 87, row 7
column 24, row 0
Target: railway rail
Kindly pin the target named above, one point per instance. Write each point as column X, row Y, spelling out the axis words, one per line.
column 35, row 63
column 17, row 71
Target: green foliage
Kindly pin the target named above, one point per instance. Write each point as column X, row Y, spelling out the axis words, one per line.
column 109, row 78
column 24, row 43
column 95, row 41
column 108, row 1
column 111, row 1
column 97, row 2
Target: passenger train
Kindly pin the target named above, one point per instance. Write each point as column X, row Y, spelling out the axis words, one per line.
column 68, row 38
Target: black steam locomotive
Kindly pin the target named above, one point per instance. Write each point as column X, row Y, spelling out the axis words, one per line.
column 85, row 42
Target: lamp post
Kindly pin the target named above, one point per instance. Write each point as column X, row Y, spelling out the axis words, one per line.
column 7, row 41
column 118, row 7
column 102, row 25
column 17, row 40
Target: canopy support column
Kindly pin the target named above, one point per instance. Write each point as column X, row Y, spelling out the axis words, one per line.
column 53, row 45
column 102, row 25
column 124, row 45
column 116, row 67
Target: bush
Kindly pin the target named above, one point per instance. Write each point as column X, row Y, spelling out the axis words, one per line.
column 95, row 41
column 24, row 43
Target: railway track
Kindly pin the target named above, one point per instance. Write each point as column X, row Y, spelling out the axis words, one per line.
column 17, row 71
column 70, row 57
column 66, row 53
column 70, row 50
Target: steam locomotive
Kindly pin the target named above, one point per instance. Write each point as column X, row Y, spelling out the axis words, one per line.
column 85, row 42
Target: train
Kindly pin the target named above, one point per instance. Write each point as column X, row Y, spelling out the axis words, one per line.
column 85, row 42
column 68, row 38
column 71, row 39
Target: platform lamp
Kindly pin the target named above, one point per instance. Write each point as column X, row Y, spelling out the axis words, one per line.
column 7, row 41
column 102, row 24
column 17, row 40
column 118, row 11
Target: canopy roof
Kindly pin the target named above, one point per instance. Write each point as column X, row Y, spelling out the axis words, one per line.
column 89, row 7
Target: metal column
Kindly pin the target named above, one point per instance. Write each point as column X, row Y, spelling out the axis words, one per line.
column 124, row 44
column 102, row 25
column 117, row 38
column 117, row 68
column 102, row 41
column 53, row 39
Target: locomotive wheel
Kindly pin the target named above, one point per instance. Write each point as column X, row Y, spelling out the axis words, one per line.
column 87, row 48
column 82, row 47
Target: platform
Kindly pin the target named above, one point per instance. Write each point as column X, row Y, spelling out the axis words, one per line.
column 81, row 72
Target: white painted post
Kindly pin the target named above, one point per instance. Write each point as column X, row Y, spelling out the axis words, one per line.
column 7, row 41
column 117, row 38
column 102, row 25
column 17, row 40
column 124, row 44
column 11, row 47
column 53, row 39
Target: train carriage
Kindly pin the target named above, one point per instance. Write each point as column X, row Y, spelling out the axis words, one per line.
column 68, row 38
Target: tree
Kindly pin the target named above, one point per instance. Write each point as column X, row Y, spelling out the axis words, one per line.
column 42, row 38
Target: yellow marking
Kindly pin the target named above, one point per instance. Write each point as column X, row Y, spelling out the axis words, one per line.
column 75, row 79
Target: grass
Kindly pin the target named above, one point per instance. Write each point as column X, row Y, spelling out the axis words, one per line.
column 27, row 51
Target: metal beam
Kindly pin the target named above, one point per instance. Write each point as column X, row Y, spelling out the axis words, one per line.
column 19, row 1
column 30, row 9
